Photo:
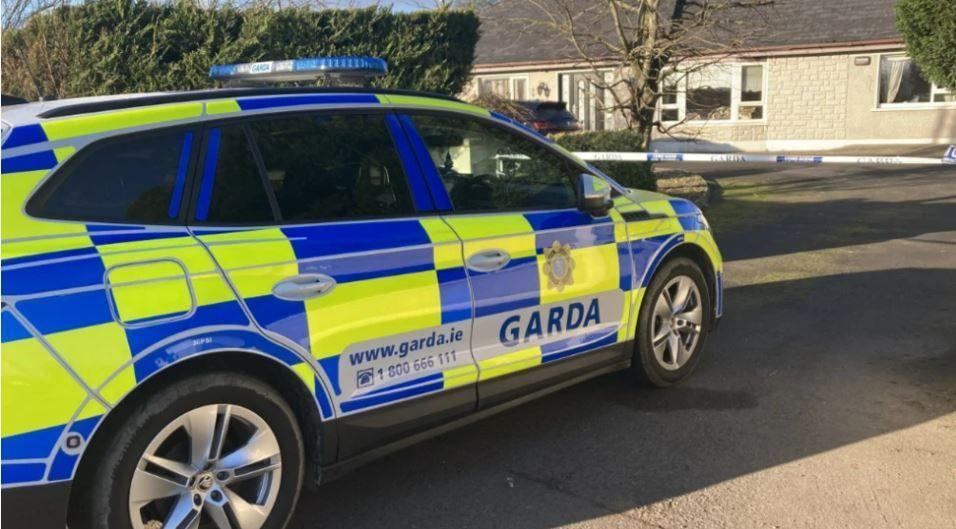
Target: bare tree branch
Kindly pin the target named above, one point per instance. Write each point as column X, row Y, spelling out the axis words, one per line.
column 645, row 44
column 16, row 12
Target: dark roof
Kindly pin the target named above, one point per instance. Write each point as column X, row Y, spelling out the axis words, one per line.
column 508, row 34
column 6, row 100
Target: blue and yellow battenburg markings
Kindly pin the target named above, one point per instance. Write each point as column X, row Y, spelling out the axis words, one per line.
column 50, row 270
column 114, row 313
column 392, row 277
column 522, row 285
column 95, row 309
column 88, row 291
column 73, row 309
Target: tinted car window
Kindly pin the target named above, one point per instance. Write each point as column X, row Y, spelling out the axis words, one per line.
column 554, row 112
column 547, row 110
column 489, row 168
column 323, row 166
column 128, row 180
column 237, row 194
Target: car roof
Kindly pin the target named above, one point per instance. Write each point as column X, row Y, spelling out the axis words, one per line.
column 535, row 104
column 31, row 112
column 17, row 114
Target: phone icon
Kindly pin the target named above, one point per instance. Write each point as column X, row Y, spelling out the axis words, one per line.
column 365, row 378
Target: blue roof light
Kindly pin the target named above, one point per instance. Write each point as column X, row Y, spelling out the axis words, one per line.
column 306, row 69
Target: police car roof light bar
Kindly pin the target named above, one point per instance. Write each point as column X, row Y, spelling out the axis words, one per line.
column 346, row 69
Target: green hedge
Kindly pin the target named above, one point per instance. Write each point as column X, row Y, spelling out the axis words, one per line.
column 630, row 174
column 929, row 30
column 120, row 46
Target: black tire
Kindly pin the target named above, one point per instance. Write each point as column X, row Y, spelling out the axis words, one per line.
column 645, row 364
column 106, row 493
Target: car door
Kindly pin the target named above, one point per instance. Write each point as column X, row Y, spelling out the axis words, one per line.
column 549, row 282
column 326, row 231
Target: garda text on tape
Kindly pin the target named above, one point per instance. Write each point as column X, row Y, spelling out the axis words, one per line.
column 948, row 158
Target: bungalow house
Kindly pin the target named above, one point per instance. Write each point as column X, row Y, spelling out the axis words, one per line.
column 817, row 75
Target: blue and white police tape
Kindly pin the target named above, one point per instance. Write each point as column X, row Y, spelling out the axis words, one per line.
column 948, row 158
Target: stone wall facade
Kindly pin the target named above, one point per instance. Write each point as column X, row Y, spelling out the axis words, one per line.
column 807, row 98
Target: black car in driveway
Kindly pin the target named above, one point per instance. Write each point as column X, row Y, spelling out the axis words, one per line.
column 549, row 116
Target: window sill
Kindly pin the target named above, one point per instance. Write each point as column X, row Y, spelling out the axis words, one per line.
column 895, row 107
column 715, row 122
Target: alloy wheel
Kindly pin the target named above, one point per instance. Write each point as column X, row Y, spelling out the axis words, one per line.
column 217, row 466
column 676, row 324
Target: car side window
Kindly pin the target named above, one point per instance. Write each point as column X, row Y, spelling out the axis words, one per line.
column 489, row 168
column 311, row 167
column 237, row 193
column 326, row 166
column 135, row 179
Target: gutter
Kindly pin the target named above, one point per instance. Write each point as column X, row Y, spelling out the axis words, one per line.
column 790, row 50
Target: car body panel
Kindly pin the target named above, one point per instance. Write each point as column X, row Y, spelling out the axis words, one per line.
column 522, row 321
column 549, row 117
column 104, row 318
column 92, row 310
column 391, row 287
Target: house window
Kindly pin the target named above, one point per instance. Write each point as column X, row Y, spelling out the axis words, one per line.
column 751, row 92
column 710, row 94
column 508, row 87
column 720, row 92
column 902, row 83
column 589, row 102
column 670, row 101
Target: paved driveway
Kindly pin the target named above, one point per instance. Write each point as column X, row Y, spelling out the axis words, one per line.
column 827, row 397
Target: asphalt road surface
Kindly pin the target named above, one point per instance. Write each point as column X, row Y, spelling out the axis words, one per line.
column 827, row 397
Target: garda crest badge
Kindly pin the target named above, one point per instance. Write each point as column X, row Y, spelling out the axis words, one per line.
column 559, row 266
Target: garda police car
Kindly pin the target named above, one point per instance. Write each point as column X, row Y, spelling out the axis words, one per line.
column 211, row 297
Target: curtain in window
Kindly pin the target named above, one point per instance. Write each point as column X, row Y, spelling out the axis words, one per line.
column 895, row 80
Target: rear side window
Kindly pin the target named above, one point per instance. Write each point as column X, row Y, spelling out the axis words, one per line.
column 135, row 180
column 307, row 168
column 235, row 192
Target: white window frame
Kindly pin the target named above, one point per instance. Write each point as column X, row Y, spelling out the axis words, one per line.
column 933, row 91
column 736, row 89
column 739, row 89
column 512, row 84
column 679, row 103
column 940, row 90
column 563, row 87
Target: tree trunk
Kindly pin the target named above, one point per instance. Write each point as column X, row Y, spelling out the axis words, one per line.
column 649, row 66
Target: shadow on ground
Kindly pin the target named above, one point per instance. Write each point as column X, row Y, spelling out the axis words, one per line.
column 784, row 379
column 777, row 214
column 810, row 226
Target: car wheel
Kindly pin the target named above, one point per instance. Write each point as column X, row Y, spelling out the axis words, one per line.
column 673, row 325
column 217, row 450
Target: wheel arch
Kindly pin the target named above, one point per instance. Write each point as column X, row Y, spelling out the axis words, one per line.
column 319, row 440
column 699, row 256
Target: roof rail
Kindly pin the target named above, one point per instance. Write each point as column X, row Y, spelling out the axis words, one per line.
column 180, row 97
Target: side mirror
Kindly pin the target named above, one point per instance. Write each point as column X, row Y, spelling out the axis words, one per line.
column 594, row 195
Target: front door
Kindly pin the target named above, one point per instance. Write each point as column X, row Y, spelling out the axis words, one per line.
column 546, row 278
column 340, row 263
